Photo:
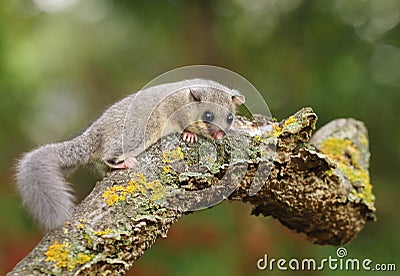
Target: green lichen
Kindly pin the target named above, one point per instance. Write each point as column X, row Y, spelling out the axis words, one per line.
column 157, row 190
column 167, row 176
column 262, row 148
column 82, row 258
column 88, row 239
column 171, row 156
column 348, row 157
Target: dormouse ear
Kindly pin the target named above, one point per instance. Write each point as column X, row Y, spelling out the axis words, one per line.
column 238, row 100
column 197, row 93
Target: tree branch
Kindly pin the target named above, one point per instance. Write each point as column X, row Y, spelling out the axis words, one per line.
column 322, row 191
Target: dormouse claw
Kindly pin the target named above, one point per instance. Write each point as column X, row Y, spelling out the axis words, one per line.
column 189, row 137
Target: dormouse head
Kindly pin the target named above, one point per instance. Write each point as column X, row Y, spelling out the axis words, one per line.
column 213, row 110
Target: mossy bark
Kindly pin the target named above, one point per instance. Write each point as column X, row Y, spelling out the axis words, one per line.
column 319, row 187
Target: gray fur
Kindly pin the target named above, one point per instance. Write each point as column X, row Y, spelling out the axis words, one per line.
column 125, row 129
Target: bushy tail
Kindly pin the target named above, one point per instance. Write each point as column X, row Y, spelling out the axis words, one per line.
column 41, row 183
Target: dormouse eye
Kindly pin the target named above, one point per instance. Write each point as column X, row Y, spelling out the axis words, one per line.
column 229, row 119
column 208, row 116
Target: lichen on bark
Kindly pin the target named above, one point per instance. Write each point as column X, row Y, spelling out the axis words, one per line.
column 319, row 187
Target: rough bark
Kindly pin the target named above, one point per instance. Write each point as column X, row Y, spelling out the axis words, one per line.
column 319, row 187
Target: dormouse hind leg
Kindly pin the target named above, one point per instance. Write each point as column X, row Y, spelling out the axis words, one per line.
column 128, row 163
column 189, row 137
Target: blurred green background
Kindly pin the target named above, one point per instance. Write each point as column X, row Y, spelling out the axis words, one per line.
column 63, row 61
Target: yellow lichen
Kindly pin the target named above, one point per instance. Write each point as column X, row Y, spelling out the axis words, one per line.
column 329, row 172
column 171, row 156
column 101, row 233
column 347, row 156
column 289, row 121
column 276, row 130
column 82, row 258
column 138, row 184
column 80, row 226
column 341, row 150
column 60, row 254
column 131, row 188
column 167, row 169
column 114, row 194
